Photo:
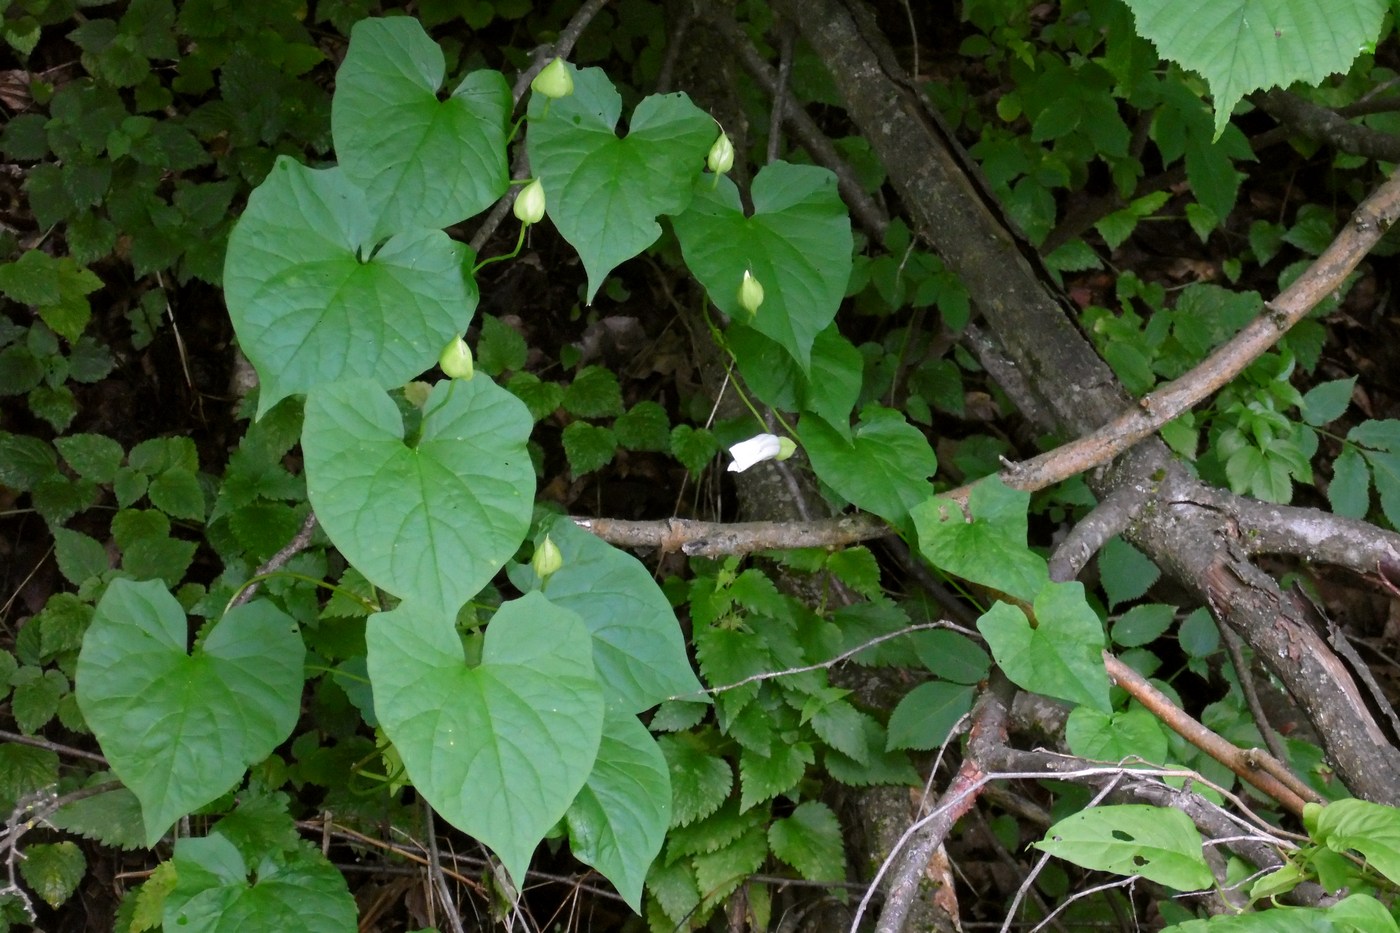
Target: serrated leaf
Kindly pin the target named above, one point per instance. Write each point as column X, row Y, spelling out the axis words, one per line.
column 763, row 777
column 298, row 890
column 434, row 521
column 541, row 398
column 1385, row 472
column 421, row 161
column 645, row 427
column 53, row 870
column 177, row 493
column 719, row 873
column 1142, row 625
column 35, row 700
column 991, row 548
column 883, row 468
column 877, row 766
column 501, row 347
column 619, row 819
column 797, row 245
column 316, row 298
column 1156, row 843
column 672, row 888
column 594, row 393
column 25, row 769
column 1134, row 733
column 1327, row 401
column 638, row 649
column 844, row 728
column 693, row 447
column 1350, row 489
column 925, row 717
column 1125, row 572
column 1240, row 46
column 1061, row 656
column 79, row 557
column 588, row 447
column 700, row 780
column 149, row 910
column 180, row 730
column 952, row 656
column 605, row 193
column 810, row 840
column 112, row 818
column 94, row 457
column 501, row 749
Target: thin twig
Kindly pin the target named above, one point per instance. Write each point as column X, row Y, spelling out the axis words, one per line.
column 280, row 559
column 37, row 742
column 1234, row 647
column 435, row 873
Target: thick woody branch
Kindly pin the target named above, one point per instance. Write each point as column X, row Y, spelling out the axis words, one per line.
column 716, row 539
column 1310, row 120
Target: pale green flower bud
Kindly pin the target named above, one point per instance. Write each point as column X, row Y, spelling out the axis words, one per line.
column 547, row 559
column 529, row 204
column 456, row 359
column 554, row 80
column 750, row 293
column 786, row 448
column 721, row 157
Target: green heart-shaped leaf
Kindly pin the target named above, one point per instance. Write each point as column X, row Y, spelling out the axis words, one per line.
column 180, row 730
column 434, row 521
column 501, row 749
column 605, row 193
column 637, row 643
column 296, row 890
column 315, row 298
column 1061, row 656
column 883, row 468
column 421, row 161
column 991, row 548
column 797, row 245
column 618, row 821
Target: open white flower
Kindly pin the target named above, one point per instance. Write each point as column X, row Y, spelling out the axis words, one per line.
column 759, row 448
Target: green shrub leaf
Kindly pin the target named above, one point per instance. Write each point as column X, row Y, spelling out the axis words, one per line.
column 637, row 645
column 180, row 729
column 991, row 548
column 926, row 716
column 605, row 193
column 1157, row 843
column 797, row 244
column 1061, row 656
column 883, row 468
column 810, row 840
column 422, row 162
column 501, row 749
column 434, row 521
column 315, row 297
column 619, row 820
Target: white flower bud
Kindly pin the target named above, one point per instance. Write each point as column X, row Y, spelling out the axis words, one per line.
column 750, row 293
column 721, row 157
column 529, row 204
column 756, row 449
column 456, row 359
column 554, row 80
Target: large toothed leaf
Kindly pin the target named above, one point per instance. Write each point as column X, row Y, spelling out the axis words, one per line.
column 180, row 729
column 605, row 193
column 315, row 298
column 500, row 749
column 433, row 521
column 422, row 161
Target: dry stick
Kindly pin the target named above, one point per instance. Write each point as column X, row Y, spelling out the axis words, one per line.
column 715, row 539
column 1234, row 647
column 279, row 560
column 568, row 37
column 786, row 41
column 1263, row 771
column 1368, row 223
column 435, row 872
column 1110, row 517
column 54, row 747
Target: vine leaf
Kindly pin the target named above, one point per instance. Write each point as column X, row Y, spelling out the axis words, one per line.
column 991, row 548
column 315, row 298
column 619, row 820
column 637, row 643
column 1156, row 843
column 434, row 521
column 501, row 749
column 605, row 193
column 296, row 890
column 1239, row 46
column 1061, row 656
column 180, row 729
column 797, row 244
column 883, row 468
column 422, row 162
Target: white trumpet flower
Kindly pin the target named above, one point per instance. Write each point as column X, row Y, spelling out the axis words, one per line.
column 759, row 448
